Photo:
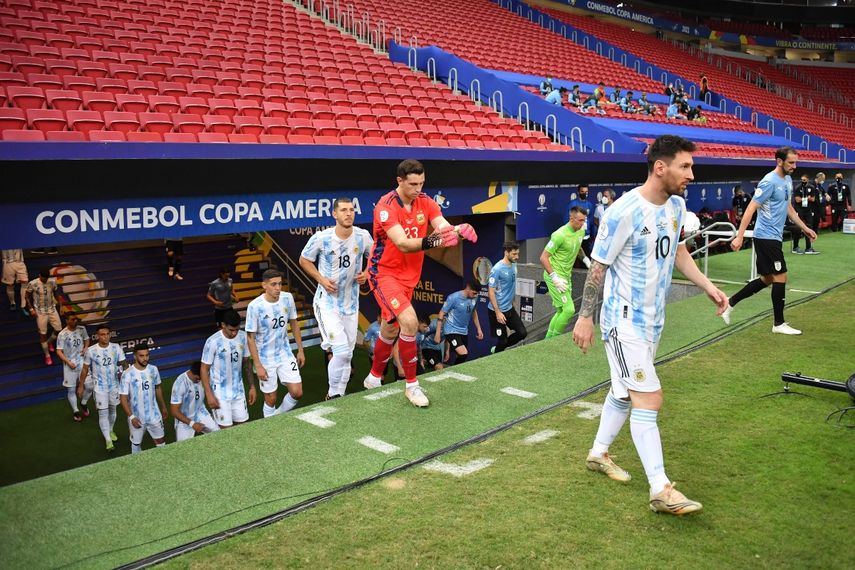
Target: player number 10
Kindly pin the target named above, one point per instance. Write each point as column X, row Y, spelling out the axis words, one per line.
column 663, row 246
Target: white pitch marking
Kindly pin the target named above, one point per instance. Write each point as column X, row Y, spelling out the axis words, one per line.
column 378, row 445
column 454, row 375
column 804, row 291
column 517, row 392
column 592, row 410
column 382, row 394
column 540, row 436
column 458, row 469
column 316, row 417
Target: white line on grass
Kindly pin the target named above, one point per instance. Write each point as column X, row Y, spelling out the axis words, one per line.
column 316, row 417
column 378, row 445
column 518, row 393
column 454, row 375
column 458, row 469
column 592, row 410
column 804, row 291
column 382, row 394
column 540, row 436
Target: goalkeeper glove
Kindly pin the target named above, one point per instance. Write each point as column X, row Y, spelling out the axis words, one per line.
column 445, row 236
column 467, row 232
column 559, row 282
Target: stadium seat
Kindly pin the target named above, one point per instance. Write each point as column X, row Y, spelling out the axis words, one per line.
column 180, row 137
column 188, row 123
column 107, row 136
column 144, row 136
column 26, row 97
column 98, row 101
column 12, row 119
column 132, row 103
column 213, row 138
column 155, row 122
column 22, row 135
column 121, row 121
column 46, row 120
column 65, row 136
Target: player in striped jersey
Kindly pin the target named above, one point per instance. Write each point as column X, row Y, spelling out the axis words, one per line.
column 142, row 399
column 14, row 269
column 102, row 365
column 267, row 319
column 71, row 344
column 42, row 299
column 187, row 405
column 340, row 253
column 225, row 364
column 635, row 252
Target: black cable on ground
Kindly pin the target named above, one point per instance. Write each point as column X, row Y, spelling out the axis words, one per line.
column 318, row 497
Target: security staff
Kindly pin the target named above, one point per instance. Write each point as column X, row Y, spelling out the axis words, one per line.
column 739, row 203
column 841, row 201
column 804, row 195
column 821, row 201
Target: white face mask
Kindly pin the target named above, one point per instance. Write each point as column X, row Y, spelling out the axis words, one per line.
column 605, row 200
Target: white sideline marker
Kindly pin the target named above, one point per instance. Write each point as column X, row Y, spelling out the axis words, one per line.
column 453, row 375
column 805, row 291
column 540, row 436
column 517, row 392
column 378, row 445
column 382, row 394
column 316, row 417
column 592, row 410
column 458, row 469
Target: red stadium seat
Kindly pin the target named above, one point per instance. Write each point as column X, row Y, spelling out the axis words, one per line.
column 65, row 136
column 22, row 135
column 121, row 121
column 144, row 136
column 84, row 121
column 46, row 120
column 107, row 136
column 180, row 137
column 132, row 103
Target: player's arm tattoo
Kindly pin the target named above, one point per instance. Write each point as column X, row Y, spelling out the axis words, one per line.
column 593, row 287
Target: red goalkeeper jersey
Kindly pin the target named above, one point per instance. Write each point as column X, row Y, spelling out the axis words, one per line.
column 386, row 259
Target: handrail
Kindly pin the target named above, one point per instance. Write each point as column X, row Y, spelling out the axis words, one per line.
column 555, row 134
column 572, row 140
column 611, row 142
column 523, row 105
column 291, row 266
column 431, row 69
column 823, row 147
column 498, row 104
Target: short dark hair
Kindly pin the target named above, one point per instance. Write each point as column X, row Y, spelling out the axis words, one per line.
column 511, row 245
column 341, row 200
column 45, row 272
column 666, row 148
column 601, row 84
column 579, row 189
column 629, row 93
column 225, row 270
column 231, row 318
column 410, row 166
column 784, row 152
column 270, row 274
column 196, row 367
column 575, row 87
column 140, row 346
column 562, row 90
column 425, row 318
column 103, row 326
column 579, row 210
column 474, row 284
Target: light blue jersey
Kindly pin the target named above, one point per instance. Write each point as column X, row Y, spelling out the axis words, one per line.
column 71, row 344
column 190, row 396
column 427, row 341
column 773, row 197
column 225, row 357
column 371, row 336
column 458, row 312
column 503, row 278
column 103, row 365
column 138, row 385
column 340, row 261
column 269, row 322
column 638, row 241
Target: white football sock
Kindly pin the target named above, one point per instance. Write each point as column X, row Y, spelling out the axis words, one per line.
column 112, row 410
column 338, row 372
column 72, row 399
column 645, row 435
column 287, row 404
column 612, row 419
column 268, row 410
column 87, row 393
column 160, row 444
column 104, row 424
column 136, row 448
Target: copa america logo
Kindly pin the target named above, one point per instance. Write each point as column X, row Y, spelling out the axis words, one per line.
column 441, row 201
column 82, row 292
column 541, row 200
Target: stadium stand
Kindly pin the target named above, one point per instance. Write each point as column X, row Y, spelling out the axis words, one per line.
column 747, row 28
column 827, row 33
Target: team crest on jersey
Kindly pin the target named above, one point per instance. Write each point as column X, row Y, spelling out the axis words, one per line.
column 420, row 218
column 384, row 215
column 356, row 249
column 638, row 374
column 777, row 266
column 395, row 304
column 674, row 223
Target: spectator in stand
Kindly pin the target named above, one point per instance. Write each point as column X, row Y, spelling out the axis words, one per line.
column 705, row 87
column 739, row 204
column 674, row 112
column 546, row 86
column 646, row 106
column 626, row 104
column 669, row 92
column 822, row 199
column 556, row 96
column 841, row 201
column 594, row 99
column 695, row 115
column 616, row 95
column 575, row 97
column 804, row 195
column 14, row 269
column 683, row 105
column 222, row 295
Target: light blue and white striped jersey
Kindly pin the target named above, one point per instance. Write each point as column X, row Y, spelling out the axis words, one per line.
column 427, row 340
column 191, row 397
column 104, row 365
column 638, row 241
column 339, row 261
column 138, row 385
column 773, row 196
column 371, row 335
column 225, row 357
column 269, row 322
column 503, row 278
column 71, row 344
column 458, row 312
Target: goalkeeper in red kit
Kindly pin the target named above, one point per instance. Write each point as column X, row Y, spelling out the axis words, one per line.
column 407, row 222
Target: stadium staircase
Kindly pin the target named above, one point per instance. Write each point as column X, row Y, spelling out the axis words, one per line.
column 129, row 290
